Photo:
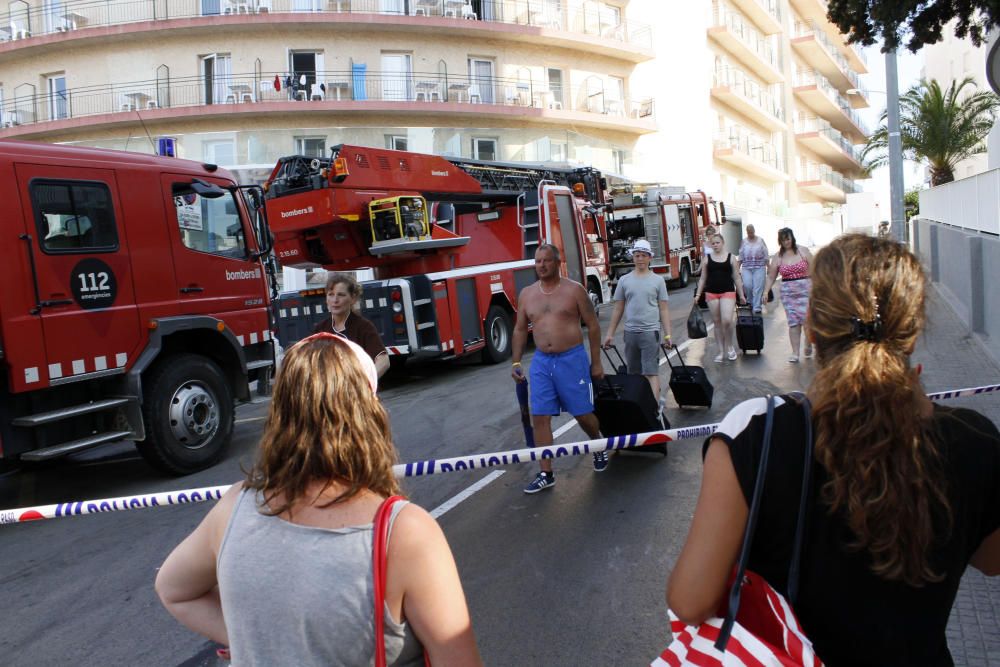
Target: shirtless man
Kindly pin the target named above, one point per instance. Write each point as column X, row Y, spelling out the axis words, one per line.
column 560, row 371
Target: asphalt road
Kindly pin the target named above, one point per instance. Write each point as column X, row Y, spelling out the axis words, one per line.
column 572, row 576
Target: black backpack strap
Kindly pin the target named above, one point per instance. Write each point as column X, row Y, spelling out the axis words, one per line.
column 794, row 569
column 741, row 565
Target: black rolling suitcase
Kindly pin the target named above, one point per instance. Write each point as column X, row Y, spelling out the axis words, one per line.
column 624, row 404
column 690, row 384
column 749, row 329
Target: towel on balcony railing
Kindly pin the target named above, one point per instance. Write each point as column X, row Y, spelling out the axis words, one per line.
column 358, row 79
column 277, row 83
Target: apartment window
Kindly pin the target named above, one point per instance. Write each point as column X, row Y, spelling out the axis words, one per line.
column 217, row 77
column 609, row 17
column 555, row 81
column 397, row 142
column 558, row 151
column 221, row 152
column 307, row 70
column 397, row 76
column 481, row 80
column 58, row 96
column 310, row 146
column 618, row 160
column 55, row 15
column 484, row 148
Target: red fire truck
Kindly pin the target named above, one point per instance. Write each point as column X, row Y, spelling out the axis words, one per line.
column 672, row 220
column 135, row 304
column 451, row 241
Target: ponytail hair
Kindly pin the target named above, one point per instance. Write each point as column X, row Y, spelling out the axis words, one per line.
column 866, row 310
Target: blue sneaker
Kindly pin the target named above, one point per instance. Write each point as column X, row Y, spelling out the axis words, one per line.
column 601, row 461
column 541, row 482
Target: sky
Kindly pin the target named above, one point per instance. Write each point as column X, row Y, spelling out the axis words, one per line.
column 908, row 67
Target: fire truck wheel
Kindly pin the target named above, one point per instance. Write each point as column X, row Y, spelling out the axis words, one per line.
column 188, row 410
column 682, row 280
column 498, row 331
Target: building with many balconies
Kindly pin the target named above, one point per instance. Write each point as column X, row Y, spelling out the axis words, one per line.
column 746, row 99
column 242, row 82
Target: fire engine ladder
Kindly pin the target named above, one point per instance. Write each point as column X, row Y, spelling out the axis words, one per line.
column 530, row 221
column 502, row 179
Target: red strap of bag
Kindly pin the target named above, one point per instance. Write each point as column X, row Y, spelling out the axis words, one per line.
column 380, row 540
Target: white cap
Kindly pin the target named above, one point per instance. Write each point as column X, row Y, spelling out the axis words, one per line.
column 642, row 245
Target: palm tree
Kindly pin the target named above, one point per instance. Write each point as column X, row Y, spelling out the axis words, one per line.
column 939, row 129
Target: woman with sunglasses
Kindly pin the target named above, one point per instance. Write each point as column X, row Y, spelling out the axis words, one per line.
column 280, row 570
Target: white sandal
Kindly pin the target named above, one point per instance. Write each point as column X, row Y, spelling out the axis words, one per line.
column 794, row 359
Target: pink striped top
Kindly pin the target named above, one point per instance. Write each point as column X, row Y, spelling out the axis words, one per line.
column 796, row 271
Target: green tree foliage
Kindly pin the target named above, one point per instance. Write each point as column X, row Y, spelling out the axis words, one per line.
column 869, row 21
column 911, row 203
column 938, row 128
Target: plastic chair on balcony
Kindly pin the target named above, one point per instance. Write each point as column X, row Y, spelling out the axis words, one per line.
column 316, row 92
column 263, row 6
column 17, row 32
column 469, row 13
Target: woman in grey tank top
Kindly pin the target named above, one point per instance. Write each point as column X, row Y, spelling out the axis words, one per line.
column 280, row 570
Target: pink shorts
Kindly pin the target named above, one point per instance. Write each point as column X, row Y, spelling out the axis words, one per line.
column 710, row 296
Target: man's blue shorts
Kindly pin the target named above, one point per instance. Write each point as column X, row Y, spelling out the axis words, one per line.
column 561, row 381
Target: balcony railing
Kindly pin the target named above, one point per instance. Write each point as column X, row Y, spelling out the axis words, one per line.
column 330, row 87
column 737, row 80
column 809, row 77
column 817, row 172
column 754, row 40
column 752, row 146
column 824, row 128
column 65, row 17
column 812, row 28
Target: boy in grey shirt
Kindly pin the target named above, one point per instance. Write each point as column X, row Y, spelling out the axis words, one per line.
column 641, row 296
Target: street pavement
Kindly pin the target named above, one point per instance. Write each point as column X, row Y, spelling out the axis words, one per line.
column 954, row 358
column 571, row 576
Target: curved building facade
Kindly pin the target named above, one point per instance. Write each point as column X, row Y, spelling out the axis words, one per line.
column 242, row 82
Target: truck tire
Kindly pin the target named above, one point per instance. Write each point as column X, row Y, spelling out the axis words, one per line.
column 685, row 274
column 498, row 332
column 188, row 410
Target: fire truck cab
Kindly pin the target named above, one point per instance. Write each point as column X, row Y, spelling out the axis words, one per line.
column 135, row 304
column 672, row 220
column 451, row 242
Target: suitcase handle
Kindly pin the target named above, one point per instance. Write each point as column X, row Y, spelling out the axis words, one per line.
column 676, row 349
column 611, row 361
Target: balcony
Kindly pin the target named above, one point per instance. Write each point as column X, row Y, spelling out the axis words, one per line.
column 731, row 86
column 562, row 25
column 750, row 153
column 766, row 14
column 819, row 95
column 825, row 184
column 267, row 93
column 829, row 144
column 733, row 33
column 815, row 48
column 813, row 10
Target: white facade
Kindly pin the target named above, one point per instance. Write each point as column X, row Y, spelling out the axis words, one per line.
column 953, row 59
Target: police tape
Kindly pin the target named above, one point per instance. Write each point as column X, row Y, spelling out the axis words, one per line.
column 82, row 507
column 414, row 469
column 957, row 393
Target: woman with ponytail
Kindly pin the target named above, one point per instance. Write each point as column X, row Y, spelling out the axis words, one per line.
column 905, row 493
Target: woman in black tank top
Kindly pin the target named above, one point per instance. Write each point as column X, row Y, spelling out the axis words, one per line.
column 721, row 284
